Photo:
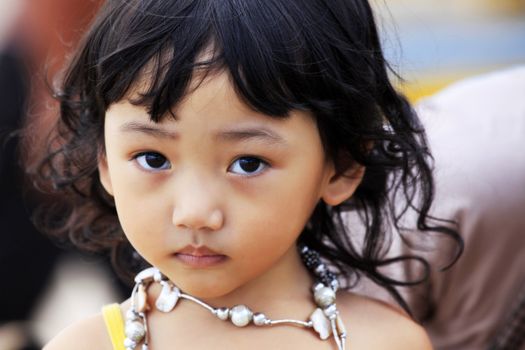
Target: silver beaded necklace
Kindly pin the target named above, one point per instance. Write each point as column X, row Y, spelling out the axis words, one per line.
column 324, row 320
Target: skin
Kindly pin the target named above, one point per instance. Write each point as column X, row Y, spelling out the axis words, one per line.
column 198, row 193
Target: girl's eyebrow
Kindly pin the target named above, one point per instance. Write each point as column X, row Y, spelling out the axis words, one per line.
column 241, row 134
column 148, row 129
column 234, row 134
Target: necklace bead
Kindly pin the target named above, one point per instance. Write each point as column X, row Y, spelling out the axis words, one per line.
column 259, row 319
column 168, row 297
column 129, row 344
column 135, row 331
column 320, row 269
column 331, row 312
column 146, row 275
column 241, row 315
column 141, row 299
column 222, row 313
column 321, row 324
column 324, row 297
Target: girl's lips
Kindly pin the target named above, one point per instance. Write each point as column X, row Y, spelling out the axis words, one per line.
column 200, row 261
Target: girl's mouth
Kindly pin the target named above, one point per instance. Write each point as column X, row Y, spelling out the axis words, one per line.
column 199, row 257
column 200, row 261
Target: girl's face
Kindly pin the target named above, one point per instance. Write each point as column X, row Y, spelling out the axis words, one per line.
column 218, row 197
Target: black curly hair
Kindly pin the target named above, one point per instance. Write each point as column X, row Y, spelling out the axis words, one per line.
column 322, row 56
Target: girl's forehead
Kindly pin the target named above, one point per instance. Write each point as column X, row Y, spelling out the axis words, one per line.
column 211, row 90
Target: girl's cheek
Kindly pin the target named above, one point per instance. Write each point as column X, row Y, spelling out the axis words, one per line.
column 256, row 188
column 135, row 180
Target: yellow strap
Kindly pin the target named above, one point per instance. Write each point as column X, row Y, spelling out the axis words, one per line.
column 115, row 325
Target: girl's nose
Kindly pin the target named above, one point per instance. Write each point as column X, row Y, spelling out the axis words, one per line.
column 197, row 218
column 196, row 208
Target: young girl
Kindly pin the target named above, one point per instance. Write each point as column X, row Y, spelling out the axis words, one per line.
column 222, row 143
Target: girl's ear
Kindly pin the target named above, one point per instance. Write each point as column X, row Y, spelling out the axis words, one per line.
column 103, row 172
column 340, row 187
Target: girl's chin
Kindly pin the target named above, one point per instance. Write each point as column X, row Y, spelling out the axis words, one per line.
column 204, row 289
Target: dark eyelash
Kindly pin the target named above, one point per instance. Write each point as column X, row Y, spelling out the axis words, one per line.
column 136, row 155
column 262, row 160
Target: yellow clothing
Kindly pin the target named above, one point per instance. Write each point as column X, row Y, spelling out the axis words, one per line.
column 115, row 325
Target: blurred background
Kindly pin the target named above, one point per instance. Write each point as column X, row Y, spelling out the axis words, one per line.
column 431, row 43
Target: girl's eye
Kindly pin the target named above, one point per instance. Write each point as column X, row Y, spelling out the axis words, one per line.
column 248, row 166
column 152, row 161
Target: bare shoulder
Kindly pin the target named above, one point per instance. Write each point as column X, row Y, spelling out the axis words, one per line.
column 372, row 324
column 89, row 333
